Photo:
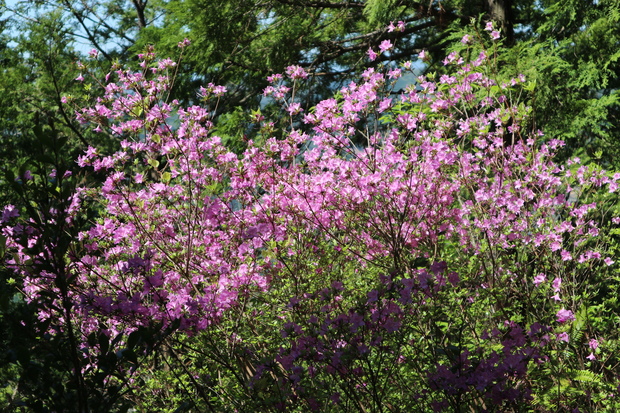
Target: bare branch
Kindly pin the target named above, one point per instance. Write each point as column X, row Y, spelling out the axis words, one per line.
column 324, row 5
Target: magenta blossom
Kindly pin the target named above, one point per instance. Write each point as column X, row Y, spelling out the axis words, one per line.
column 296, row 72
column 564, row 316
column 400, row 27
column 372, row 55
column 593, row 344
column 539, row 279
column 385, row 45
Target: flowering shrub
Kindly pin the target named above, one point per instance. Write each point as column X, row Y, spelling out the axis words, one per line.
column 420, row 250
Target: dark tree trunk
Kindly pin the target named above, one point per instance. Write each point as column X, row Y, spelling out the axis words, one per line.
column 501, row 13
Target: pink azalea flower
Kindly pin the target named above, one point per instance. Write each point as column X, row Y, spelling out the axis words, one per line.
column 294, row 108
column 182, row 44
column 564, row 315
column 371, row 54
column 276, row 77
column 400, row 27
column 566, row 256
column 385, row 104
column 539, row 279
column 296, row 72
column 385, row 45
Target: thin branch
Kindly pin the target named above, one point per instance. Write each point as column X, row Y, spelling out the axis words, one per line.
column 324, row 5
column 89, row 34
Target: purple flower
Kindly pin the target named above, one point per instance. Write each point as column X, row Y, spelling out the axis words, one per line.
column 391, row 325
column 186, row 42
column 564, row 315
column 593, row 344
column 539, row 279
column 9, row 212
column 566, row 255
column 450, row 58
column 371, row 54
column 453, row 278
column 356, row 321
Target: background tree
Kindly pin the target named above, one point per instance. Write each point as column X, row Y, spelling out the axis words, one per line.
column 568, row 48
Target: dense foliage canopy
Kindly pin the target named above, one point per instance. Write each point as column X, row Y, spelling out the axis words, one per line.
column 569, row 48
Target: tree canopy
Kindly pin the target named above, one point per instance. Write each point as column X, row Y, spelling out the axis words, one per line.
column 568, row 48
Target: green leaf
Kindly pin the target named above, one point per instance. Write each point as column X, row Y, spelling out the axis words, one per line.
column 104, row 343
column 586, row 376
column 2, row 246
column 530, row 86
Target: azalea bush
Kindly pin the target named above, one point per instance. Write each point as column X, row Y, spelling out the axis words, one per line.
column 381, row 251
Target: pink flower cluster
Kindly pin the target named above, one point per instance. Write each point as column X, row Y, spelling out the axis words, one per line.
column 189, row 227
